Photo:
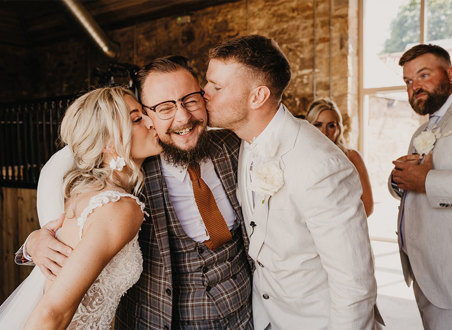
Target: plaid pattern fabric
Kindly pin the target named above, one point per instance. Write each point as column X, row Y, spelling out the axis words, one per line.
column 149, row 303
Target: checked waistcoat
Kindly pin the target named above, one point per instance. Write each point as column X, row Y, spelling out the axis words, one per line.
column 156, row 301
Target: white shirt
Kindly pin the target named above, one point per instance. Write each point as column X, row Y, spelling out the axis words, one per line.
column 435, row 117
column 180, row 191
column 257, row 146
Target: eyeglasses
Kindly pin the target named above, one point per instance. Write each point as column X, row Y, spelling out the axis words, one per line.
column 167, row 109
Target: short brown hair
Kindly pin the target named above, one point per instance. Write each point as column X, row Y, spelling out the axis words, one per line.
column 261, row 55
column 422, row 49
column 164, row 65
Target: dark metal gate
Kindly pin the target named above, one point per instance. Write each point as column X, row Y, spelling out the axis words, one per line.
column 28, row 137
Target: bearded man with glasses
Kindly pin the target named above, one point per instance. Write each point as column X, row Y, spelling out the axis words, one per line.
column 195, row 276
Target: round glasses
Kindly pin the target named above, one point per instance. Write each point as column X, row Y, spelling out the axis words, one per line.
column 167, row 109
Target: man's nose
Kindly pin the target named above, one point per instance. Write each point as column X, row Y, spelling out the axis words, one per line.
column 182, row 114
column 416, row 85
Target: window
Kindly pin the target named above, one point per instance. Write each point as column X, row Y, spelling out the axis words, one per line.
column 387, row 122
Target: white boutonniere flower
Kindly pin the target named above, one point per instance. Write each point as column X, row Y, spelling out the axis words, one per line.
column 424, row 142
column 267, row 178
column 266, row 174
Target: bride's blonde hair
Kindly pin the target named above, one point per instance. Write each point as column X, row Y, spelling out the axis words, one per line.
column 97, row 120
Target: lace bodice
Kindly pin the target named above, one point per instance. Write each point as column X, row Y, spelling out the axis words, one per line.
column 98, row 306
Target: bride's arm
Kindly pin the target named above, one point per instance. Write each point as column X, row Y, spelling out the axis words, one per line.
column 107, row 230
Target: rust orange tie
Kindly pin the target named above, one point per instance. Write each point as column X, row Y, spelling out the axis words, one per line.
column 211, row 215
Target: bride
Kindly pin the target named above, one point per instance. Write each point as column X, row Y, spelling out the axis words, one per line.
column 109, row 137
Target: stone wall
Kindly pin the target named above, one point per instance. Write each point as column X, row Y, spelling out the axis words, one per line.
column 66, row 68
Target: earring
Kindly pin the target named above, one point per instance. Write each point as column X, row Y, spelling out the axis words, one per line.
column 117, row 163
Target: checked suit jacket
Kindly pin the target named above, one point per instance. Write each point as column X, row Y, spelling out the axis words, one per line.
column 149, row 304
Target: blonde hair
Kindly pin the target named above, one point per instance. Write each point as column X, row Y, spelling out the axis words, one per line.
column 95, row 120
column 323, row 104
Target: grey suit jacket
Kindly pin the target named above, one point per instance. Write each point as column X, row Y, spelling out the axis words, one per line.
column 428, row 223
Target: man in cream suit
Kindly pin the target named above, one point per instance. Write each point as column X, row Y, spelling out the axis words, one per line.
column 300, row 198
column 423, row 179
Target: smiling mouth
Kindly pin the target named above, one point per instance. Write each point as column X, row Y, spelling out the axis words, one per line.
column 184, row 131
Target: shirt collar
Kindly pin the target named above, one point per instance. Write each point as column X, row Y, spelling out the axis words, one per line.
column 269, row 131
column 441, row 111
column 168, row 169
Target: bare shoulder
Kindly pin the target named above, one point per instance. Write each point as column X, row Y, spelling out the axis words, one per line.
column 122, row 217
column 124, row 209
column 355, row 157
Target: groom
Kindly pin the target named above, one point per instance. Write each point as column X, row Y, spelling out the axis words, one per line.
column 300, row 198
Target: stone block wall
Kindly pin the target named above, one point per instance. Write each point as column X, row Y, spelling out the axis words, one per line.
column 67, row 67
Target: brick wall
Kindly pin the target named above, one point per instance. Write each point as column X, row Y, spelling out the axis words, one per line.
column 66, row 67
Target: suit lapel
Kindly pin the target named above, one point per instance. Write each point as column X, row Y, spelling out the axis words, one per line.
column 225, row 170
column 286, row 138
column 155, row 189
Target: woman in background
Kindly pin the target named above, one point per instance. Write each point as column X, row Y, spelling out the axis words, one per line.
column 324, row 114
column 109, row 137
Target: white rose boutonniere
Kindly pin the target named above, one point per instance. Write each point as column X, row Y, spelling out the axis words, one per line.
column 424, row 142
column 267, row 178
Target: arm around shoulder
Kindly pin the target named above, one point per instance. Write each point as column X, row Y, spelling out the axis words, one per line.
column 116, row 223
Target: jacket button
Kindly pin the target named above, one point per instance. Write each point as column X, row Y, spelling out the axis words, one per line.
column 166, row 327
column 260, row 264
column 208, row 288
column 200, row 250
column 168, row 292
column 205, row 269
column 265, row 296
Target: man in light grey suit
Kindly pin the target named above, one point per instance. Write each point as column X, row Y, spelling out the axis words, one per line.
column 423, row 180
column 300, row 198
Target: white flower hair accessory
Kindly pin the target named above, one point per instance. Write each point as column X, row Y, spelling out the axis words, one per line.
column 117, row 163
column 266, row 175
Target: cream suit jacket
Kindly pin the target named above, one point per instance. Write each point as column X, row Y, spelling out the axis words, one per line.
column 428, row 223
column 314, row 266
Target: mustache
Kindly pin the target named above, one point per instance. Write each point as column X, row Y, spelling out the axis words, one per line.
column 420, row 91
column 191, row 124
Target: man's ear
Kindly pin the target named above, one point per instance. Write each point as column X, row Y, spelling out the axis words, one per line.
column 259, row 95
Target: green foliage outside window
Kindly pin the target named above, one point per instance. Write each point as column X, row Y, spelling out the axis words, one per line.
column 405, row 27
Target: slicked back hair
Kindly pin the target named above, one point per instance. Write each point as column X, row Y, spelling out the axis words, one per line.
column 422, row 49
column 260, row 54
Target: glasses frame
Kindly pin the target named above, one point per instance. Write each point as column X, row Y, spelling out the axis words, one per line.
column 153, row 108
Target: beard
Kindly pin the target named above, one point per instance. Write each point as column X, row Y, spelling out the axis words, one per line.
column 434, row 100
column 178, row 157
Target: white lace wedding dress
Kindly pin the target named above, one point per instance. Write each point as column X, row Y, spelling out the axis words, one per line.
column 98, row 306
